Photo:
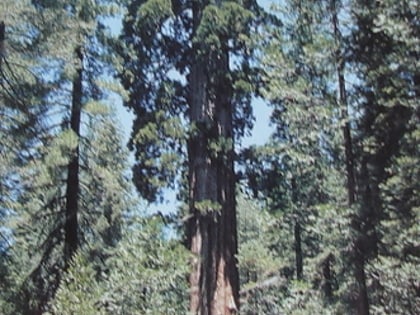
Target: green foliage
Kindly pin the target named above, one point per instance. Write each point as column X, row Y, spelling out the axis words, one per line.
column 152, row 266
column 207, row 206
column 36, row 76
column 161, row 42
column 387, row 88
column 220, row 23
column 127, row 265
column 301, row 299
column 299, row 172
column 145, row 274
column 152, row 13
column 256, row 228
column 79, row 291
column 397, row 282
column 259, row 265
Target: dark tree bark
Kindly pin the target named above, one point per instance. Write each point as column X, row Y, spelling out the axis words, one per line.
column 297, row 234
column 348, row 143
column 71, row 225
column 2, row 42
column 361, row 295
column 362, row 301
column 328, row 277
column 298, row 250
column 211, row 231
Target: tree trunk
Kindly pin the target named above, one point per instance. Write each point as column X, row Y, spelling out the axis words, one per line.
column 211, row 231
column 72, row 190
column 328, row 277
column 349, row 158
column 297, row 234
column 2, row 42
column 372, row 175
column 362, row 301
column 298, row 250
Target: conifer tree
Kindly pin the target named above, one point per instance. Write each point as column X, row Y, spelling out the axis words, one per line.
column 47, row 236
column 383, row 50
column 191, row 99
column 21, row 88
column 300, row 171
column 146, row 273
column 298, row 84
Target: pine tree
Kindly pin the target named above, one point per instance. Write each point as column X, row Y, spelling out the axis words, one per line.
column 51, row 179
column 300, row 171
column 260, row 263
column 146, row 273
column 299, row 74
column 22, row 88
column 383, row 52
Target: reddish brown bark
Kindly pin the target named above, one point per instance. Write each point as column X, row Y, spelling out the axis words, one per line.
column 211, row 231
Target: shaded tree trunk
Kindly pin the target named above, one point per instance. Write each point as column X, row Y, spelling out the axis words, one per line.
column 71, row 225
column 348, row 146
column 211, row 231
column 328, row 277
column 298, row 250
column 361, row 296
column 2, row 42
column 297, row 234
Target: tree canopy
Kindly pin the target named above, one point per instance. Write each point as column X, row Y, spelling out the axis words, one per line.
column 322, row 218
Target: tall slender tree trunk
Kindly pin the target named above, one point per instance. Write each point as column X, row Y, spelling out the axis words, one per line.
column 298, row 250
column 362, row 301
column 348, row 143
column 2, row 42
column 211, row 231
column 328, row 277
column 297, row 234
column 72, row 190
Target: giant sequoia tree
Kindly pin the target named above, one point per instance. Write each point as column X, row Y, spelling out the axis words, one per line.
column 189, row 77
column 335, row 199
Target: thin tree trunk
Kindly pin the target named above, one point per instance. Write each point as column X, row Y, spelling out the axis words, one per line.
column 328, row 277
column 72, row 191
column 362, row 300
column 298, row 250
column 2, row 42
column 297, row 234
column 348, row 145
column 211, row 232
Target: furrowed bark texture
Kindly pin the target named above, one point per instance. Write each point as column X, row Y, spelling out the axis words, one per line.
column 211, row 231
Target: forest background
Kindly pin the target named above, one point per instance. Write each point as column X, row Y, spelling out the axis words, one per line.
column 319, row 217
